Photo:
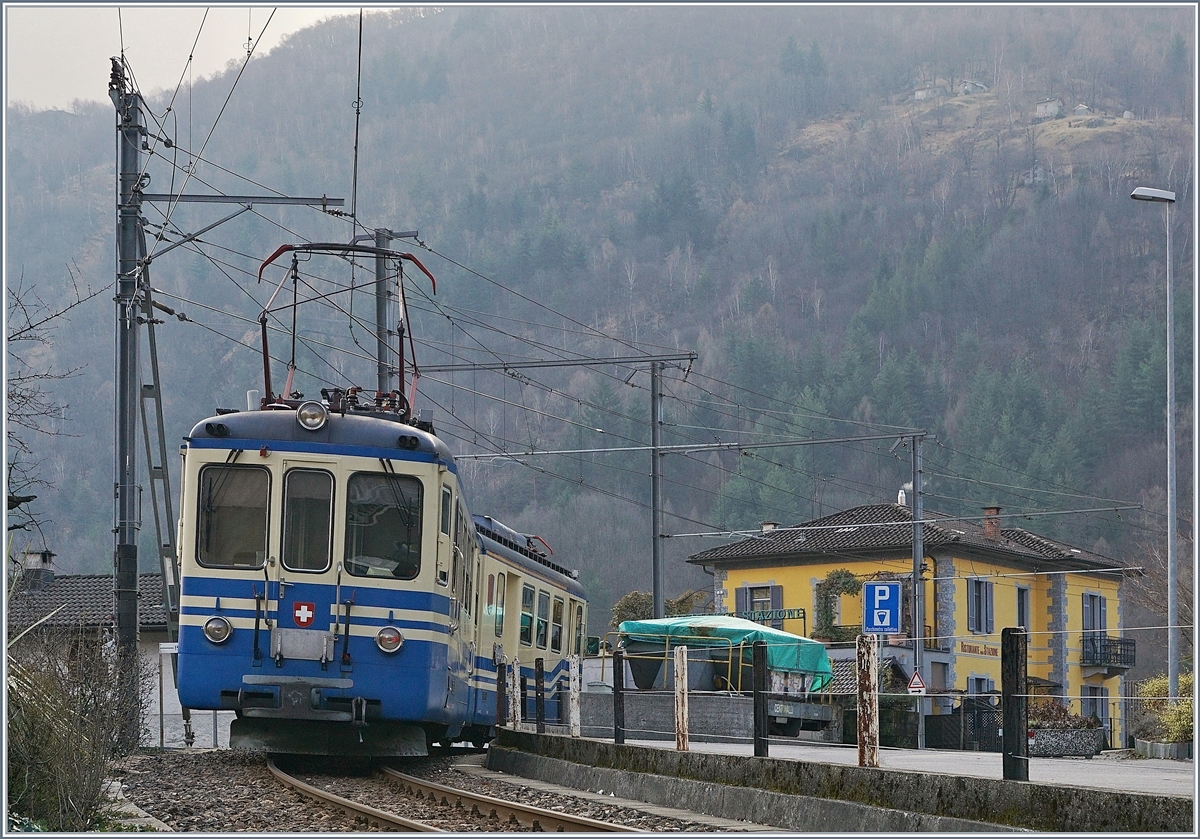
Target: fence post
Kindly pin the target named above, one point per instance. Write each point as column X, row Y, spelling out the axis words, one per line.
column 501, row 695
column 681, row 699
column 759, row 659
column 515, row 699
column 1013, row 651
column 868, row 701
column 618, row 696
column 539, row 694
column 573, row 680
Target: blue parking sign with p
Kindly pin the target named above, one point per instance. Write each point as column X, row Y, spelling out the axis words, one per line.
column 881, row 608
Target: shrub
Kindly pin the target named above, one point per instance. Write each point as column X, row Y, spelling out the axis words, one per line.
column 1051, row 713
column 1160, row 719
column 66, row 714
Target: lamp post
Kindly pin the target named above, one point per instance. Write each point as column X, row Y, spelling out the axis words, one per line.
column 1167, row 198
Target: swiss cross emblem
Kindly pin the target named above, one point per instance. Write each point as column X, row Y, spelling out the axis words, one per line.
column 303, row 614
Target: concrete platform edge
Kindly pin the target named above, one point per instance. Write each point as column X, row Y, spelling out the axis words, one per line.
column 969, row 799
column 788, row 812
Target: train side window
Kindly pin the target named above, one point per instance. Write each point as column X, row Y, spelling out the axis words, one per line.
column 499, row 605
column 447, row 508
column 543, row 618
column 383, row 526
column 556, row 626
column 527, row 615
column 231, row 529
column 307, row 520
column 579, row 629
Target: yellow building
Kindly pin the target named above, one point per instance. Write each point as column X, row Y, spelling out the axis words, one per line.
column 977, row 578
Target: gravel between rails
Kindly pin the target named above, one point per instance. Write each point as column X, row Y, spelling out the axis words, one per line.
column 227, row 791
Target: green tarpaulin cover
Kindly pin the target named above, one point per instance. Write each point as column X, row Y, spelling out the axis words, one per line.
column 785, row 651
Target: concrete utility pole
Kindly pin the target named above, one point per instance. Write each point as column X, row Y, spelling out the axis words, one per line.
column 130, row 130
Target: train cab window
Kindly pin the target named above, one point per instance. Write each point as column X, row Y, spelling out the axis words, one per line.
column 579, row 629
column 499, row 605
column 543, row 618
column 231, row 530
column 383, row 526
column 527, row 615
column 307, row 520
column 556, row 626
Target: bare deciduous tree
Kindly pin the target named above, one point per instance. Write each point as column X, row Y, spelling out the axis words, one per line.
column 32, row 407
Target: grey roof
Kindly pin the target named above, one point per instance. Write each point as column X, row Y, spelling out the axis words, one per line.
column 881, row 528
column 87, row 601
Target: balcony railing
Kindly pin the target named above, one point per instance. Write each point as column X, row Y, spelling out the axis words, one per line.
column 1104, row 651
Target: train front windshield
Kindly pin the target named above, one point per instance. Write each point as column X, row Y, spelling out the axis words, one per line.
column 383, row 526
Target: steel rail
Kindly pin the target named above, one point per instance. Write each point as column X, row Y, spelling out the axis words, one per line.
column 372, row 815
column 536, row 818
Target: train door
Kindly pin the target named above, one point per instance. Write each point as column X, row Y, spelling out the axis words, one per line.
column 301, row 573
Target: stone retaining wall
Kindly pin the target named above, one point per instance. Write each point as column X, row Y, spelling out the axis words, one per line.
column 1010, row 803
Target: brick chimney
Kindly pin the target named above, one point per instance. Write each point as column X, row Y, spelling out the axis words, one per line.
column 767, row 526
column 991, row 523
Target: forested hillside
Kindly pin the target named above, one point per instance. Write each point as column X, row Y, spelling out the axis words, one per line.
column 775, row 188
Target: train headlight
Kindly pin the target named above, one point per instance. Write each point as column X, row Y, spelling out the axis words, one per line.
column 389, row 639
column 312, row 416
column 217, row 629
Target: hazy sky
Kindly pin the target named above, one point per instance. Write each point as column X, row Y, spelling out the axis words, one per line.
column 57, row 52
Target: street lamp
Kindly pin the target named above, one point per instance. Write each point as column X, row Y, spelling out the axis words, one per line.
column 1167, row 198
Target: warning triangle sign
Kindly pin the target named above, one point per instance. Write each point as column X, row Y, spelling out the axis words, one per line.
column 916, row 684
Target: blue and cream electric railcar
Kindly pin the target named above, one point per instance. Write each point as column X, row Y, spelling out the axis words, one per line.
column 337, row 594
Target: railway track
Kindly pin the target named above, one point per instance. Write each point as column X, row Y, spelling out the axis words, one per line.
column 369, row 815
column 496, row 810
column 452, row 806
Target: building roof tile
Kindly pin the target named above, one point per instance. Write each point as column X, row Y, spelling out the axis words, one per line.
column 85, row 600
column 888, row 527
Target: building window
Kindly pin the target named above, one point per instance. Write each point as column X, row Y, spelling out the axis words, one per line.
column 751, row 600
column 979, row 606
column 1094, row 701
column 940, row 676
column 980, row 685
column 1023, row 607
column 1095, row 624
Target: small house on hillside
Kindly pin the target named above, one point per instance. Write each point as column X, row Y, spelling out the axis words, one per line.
column 966, row 87
column 1048, row 109
column 1081, row 110
column 921, row 94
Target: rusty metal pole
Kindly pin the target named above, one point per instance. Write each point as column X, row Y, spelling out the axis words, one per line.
column 1013, row 679
column 618, row 696
column 868, row 702
column 759, row 678
column 681, row 699
column 539, row 694
column 573, row 681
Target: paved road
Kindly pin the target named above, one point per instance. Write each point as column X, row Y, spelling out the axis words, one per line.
column 1115, row 770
